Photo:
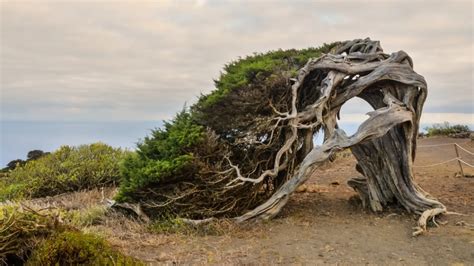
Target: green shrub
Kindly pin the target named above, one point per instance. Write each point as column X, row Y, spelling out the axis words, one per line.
column 13, row 164
column 32, row 155
column 244, row 71
column 167, row 153
column 76, row 248
column 12, row 189
column 40, row 238
column 446, row 129
column 67, row 169
column 22, row 229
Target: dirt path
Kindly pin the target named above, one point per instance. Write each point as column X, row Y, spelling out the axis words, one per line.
column 324, row 226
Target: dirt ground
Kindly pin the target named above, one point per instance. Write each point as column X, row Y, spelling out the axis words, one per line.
column 323, row 225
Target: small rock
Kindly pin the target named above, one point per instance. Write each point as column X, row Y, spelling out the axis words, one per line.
column 163, row 257
column 328, row 248
column 301, row 189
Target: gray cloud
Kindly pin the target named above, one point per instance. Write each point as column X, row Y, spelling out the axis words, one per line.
column 142, row 60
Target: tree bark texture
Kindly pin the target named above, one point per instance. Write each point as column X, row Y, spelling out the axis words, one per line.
column 384, row 145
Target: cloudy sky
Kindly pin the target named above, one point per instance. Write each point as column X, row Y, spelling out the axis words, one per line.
column 140, row 60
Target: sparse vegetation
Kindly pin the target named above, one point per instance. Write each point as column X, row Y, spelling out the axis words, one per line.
column 168, row 225
column 67, row 169
column 446, row 129
column 176, row 225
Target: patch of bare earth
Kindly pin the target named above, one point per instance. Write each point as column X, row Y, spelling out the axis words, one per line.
column 323, row 224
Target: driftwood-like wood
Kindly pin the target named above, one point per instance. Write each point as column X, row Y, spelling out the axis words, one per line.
column 384, row 145
column 259, row 147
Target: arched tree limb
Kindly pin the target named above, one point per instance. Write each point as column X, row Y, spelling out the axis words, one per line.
column 384, row 145
column 258, row 145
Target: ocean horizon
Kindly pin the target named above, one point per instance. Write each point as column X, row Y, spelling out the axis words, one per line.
column 20, row 137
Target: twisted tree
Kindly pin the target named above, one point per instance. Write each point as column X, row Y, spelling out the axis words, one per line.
column 243, row 149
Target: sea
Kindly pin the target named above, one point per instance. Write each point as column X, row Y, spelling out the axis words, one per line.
column 19, row 137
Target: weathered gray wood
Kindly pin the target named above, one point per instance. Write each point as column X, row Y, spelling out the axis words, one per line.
column 264, row 156
column 384, row 144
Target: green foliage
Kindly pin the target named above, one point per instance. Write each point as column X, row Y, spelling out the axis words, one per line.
column 35, row 154
column 21, row 230
column 177, row 167
column 32, row 155
column 40, row 238
column 12, row 189
column 446, row 129
column 14, row 164
column 259, row 66
column 177, row 137
column 166, row 154
column 76, row 248
column 3, row 175
column 67, row 169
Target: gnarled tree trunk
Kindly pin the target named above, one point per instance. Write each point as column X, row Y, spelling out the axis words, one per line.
column 258, row 145
column 384, row 145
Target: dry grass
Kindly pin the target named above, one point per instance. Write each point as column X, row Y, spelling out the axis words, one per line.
column 75, row 200
column 85, row 210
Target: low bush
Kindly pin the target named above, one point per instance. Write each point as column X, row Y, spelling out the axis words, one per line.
column 35, row 237
column 76, row 248
column 165, row 154
column 22, row 229
column 445, row 129
column 65, row 170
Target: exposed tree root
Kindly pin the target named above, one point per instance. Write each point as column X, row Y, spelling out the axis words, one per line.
column 425, row 216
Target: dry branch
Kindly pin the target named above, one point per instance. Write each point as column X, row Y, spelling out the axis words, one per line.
column 258, row 148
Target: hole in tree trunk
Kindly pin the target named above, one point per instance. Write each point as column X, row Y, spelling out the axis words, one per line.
column 352, row 114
